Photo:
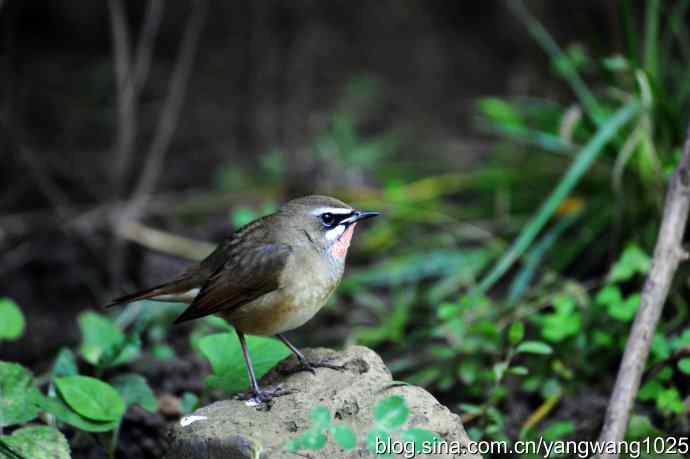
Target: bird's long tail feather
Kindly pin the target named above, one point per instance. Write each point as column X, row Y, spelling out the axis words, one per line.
column 180, row 285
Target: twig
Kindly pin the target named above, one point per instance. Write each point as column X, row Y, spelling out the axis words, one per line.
column 667, row 256
column 126, row 100
column 166, row 242
column 172, row 108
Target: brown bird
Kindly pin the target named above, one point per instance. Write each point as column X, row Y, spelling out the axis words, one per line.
column 270, row 276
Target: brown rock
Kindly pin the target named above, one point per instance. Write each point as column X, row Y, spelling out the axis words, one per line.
column 232, row 429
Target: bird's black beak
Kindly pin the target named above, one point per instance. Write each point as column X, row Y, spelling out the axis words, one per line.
column 359, row 215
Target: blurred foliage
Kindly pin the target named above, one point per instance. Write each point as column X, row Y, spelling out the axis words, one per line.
column 513, row 285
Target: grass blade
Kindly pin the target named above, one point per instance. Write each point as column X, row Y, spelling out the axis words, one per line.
column 577, row 169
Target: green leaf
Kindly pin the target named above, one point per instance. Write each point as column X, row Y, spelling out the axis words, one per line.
column 625, row 311
column 313, row 439
column 516, row 332
column 633, row 261
column 163, row 352
column 344, row 436
column 422, row 438
column 189, row 402
column 294, row 445
column 56, row 407
column 609, row 295
column 103, row 343
column 559, row 326
column 134, row 390
column 557, row 430
column 320, row 417
column 519, row 371
column 669, row 401
column 65, row 364
column 18, row 397
column 37, row 442
column 377, row 442
column 12, row 324
column 650, row 390
column 225, row 355
column 684, row 365
column 391, row 412
column 534, row 347
column 91, row 397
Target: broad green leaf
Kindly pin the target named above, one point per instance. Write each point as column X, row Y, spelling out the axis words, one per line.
column 684, row 365
column 650, row 390
column 18, row 396
column 320, row 417
column 534, row 347
column 641, row 427
column 669, row 401
column 519, row 371
column 609, row 295
column 313, row 439
column 37, row 442
column 63, row 413
column 344, row 436
column 189, row 402
column 12, row 323
column 559, row 326
column 422, row 438
column 134, row 390
column 225, row 355
column 91, row 397
column 65, row 364
column 625, row 311
column 633, row 261
column 558, row 430
column 516, row 332
column 163, row 352
column 391, row 412
column 103, row 343
column 378, row 442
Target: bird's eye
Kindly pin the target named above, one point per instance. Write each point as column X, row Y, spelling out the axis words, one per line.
column 327, row 219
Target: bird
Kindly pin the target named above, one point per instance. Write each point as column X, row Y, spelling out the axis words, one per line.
column 269, row 276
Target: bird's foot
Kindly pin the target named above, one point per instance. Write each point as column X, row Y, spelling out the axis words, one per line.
column 306, row 365
column 264, row 396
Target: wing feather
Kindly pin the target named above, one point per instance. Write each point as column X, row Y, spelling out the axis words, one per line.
column 251, row 270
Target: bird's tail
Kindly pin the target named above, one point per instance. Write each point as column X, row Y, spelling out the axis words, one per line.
column 179, row 285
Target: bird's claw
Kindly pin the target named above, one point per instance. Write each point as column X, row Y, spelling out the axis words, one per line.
column 264, row 396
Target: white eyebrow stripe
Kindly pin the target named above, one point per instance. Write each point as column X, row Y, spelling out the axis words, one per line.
column 331, row 210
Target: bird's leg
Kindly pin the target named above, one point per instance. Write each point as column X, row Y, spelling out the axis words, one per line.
column 260, row 396
column 306, row 365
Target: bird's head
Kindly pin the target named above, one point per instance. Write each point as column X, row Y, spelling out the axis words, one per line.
column 326, row 222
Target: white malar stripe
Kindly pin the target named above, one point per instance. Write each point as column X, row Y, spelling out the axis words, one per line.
column 335, row 233
column 331, row 210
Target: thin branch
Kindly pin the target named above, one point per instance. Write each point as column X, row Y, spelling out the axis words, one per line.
column 165, row 242
column 126, row 103
column 172, row 108
column 147, row 39
column 668, row 254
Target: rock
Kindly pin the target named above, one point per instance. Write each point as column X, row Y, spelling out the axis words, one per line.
column 232, row 429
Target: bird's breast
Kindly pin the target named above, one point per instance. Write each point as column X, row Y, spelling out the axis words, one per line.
column 306, row 284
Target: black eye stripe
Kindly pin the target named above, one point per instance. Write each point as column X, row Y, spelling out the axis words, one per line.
column 332, row 220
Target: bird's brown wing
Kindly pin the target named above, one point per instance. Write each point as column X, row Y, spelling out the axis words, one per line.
column 251, row 270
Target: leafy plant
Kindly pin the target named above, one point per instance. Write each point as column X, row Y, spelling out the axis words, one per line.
column 390, row 415
column 12, row 325
column 224, row 353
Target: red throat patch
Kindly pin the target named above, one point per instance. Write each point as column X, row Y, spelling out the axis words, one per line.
column 339, row 248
